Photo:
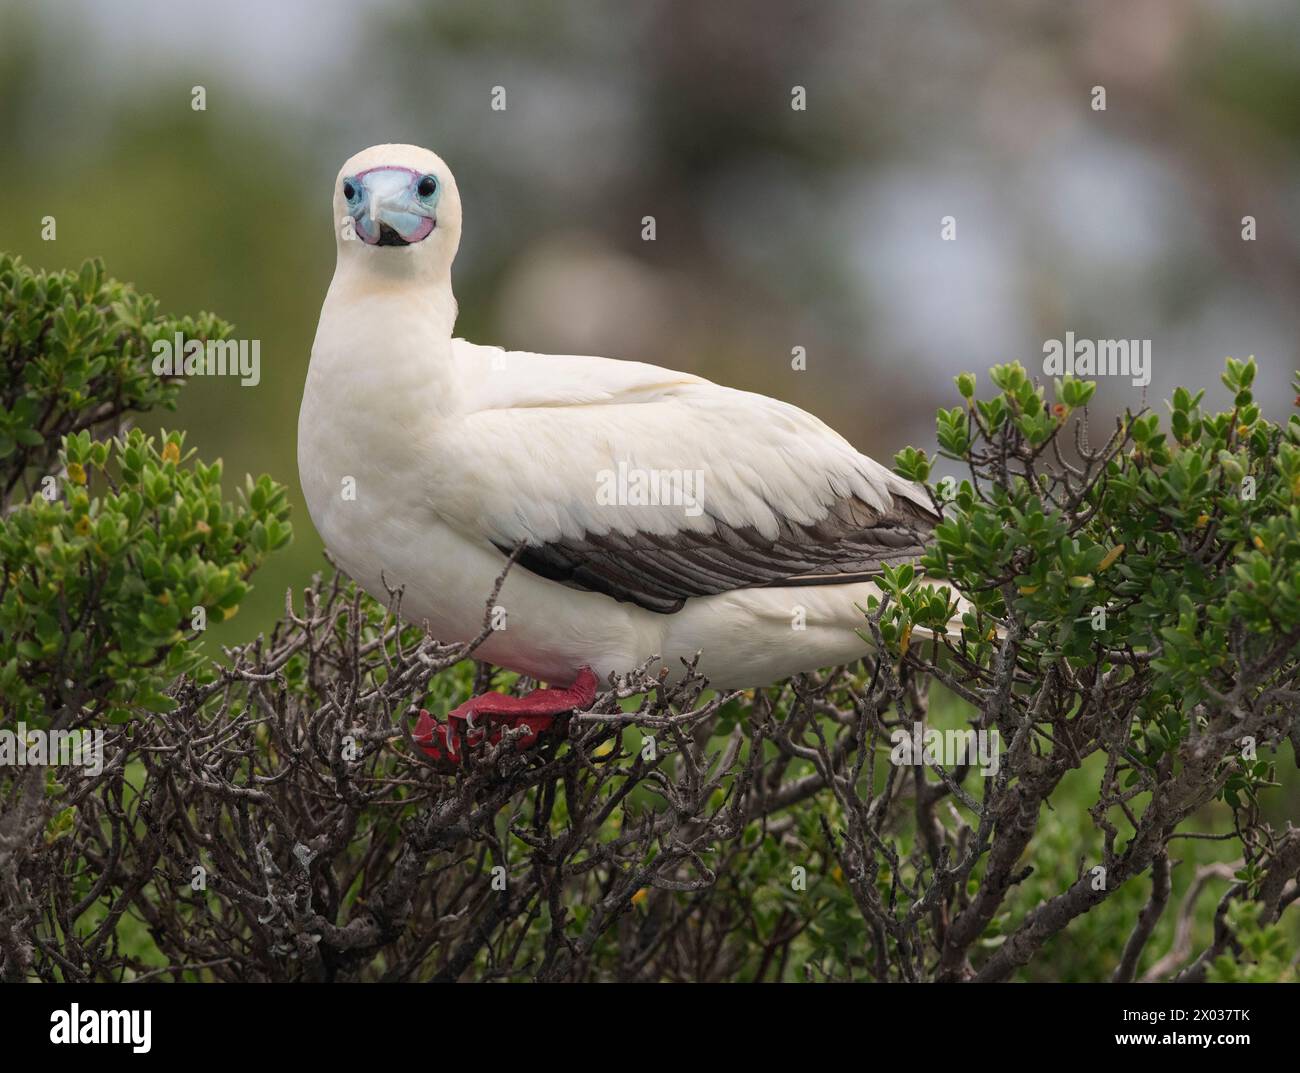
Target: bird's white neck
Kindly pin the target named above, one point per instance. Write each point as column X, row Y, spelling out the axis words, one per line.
column 389, row 338
column 381, row 384
column 428, row 291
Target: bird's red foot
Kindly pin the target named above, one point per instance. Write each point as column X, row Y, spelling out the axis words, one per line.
column 487, row 716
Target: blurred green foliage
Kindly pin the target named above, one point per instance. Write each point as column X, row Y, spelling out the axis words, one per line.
column 121, row 550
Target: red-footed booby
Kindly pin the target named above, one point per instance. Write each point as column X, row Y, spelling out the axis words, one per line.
column 653, row 513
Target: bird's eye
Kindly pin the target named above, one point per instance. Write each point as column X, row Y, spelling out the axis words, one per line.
column 349, row 191
column 427, row 186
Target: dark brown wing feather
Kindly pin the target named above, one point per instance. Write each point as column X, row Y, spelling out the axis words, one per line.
column 660, row 573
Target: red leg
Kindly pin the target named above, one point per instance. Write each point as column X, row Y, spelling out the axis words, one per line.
column 487, row 715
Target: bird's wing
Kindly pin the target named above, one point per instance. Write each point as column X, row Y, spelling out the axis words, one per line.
column 498, row 379
column 653, row 486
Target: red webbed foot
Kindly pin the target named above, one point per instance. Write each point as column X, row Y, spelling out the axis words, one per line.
column 487, row 716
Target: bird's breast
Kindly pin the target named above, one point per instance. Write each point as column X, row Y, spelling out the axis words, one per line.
column 375, row 398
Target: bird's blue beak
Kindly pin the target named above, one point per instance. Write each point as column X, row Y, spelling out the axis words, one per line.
column 392, row 206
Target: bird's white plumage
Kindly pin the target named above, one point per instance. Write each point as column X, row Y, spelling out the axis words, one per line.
column 453, row 450
column 538, row 432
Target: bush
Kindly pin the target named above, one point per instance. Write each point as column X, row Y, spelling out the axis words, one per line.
column 1129, row 632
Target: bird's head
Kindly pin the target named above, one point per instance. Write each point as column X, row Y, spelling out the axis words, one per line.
column 397, row 211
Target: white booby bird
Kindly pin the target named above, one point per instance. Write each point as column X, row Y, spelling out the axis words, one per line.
column 654, row 512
